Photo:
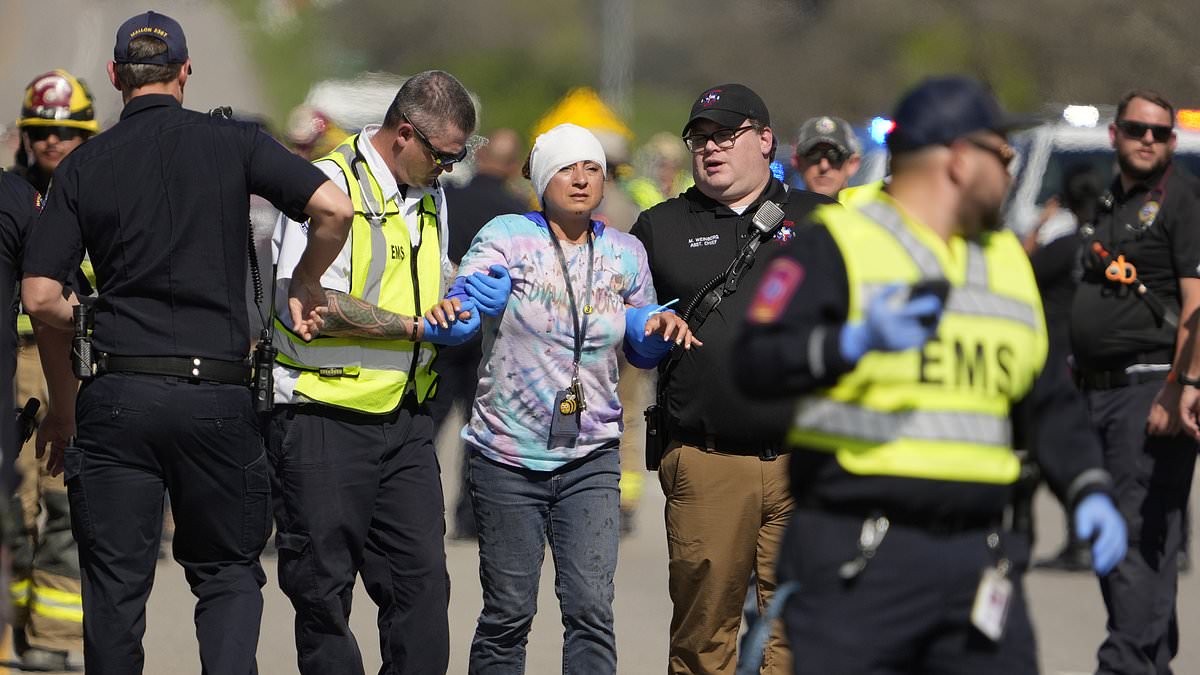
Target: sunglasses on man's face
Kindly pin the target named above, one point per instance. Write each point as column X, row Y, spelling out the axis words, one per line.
column 835, row 157
column 1137, row 130
column 63, row 133
column 442, row 159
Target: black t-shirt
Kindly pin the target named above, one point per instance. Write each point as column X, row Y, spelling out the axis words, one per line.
column 689, row 240
column 161, row 202
column 1056, row 268
column 18, row 209
column 1110, row 324
column 471, row 207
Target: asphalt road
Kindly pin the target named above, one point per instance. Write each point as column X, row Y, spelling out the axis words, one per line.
column 1067, row 609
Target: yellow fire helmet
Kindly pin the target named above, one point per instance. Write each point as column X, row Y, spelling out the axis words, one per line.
column 57, row 99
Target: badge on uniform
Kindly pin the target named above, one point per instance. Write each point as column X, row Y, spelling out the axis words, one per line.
column 1148, row 213
column 989, row 613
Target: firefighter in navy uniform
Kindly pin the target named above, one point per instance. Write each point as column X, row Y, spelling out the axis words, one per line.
column 1132, row 318
column 910, row 326
column 161, row 204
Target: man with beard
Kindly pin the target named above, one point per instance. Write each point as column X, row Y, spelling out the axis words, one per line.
column 1140, row 277
column 911, row 327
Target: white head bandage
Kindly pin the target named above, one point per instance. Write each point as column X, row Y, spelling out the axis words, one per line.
column 562, row 146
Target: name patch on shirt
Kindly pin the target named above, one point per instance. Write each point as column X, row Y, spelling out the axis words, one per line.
column 710, row 240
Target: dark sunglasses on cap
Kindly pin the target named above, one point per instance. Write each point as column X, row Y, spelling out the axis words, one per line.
column 40, row 133
column 442, row 159
column 815, row 154
column 1137, row 130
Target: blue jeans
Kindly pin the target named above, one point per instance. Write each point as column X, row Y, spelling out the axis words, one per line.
column 517, row 511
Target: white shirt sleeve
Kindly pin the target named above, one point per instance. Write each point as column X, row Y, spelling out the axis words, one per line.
column 443, row 210
column 288, row 243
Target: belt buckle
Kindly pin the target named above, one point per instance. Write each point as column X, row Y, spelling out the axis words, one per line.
column 768, row 454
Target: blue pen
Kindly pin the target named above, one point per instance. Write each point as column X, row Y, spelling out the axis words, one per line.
column 662, row 307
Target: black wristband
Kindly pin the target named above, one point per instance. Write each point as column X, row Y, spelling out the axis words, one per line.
column 1186, row 381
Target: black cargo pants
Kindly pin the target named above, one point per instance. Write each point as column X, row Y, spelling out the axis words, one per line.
column 361, row 495
column 139, row 435
column 1152, row 476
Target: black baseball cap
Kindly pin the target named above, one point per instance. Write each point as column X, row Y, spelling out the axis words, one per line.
column 155, row 25
column 942, row 109
column 728, row 105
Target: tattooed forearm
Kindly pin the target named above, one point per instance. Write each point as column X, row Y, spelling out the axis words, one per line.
column 350, row 316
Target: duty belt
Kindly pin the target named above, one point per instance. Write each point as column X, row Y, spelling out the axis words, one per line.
column 711, row 442
column 186, row 367
column 943, row 525
column 1148, row 367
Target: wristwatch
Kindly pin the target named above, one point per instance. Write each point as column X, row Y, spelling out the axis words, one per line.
column 1187, row 381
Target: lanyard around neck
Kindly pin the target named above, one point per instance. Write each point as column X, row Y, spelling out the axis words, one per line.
column 580, row 324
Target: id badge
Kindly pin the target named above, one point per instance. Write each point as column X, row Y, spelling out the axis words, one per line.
column 564, row 425
column 989, row 613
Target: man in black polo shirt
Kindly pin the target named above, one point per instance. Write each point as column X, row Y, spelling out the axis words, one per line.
column 1146, row 237
column 161, row 204
column 726, row 485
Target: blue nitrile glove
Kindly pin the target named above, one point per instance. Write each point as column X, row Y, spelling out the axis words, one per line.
column 650, row 347
column 490, row 291
column 1098, row 521
column 458, row 332
column 890, row 326
column 458, row 289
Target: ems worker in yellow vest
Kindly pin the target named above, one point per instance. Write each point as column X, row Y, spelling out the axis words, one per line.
column 351, row 438
column 910, row 327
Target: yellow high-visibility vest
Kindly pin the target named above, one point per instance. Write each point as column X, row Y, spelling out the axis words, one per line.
column 940, row 412
column 363, row 374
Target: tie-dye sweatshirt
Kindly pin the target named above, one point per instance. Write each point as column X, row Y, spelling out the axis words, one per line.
column 529, row 349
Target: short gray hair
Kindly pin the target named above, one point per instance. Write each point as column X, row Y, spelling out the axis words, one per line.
column 431, row 100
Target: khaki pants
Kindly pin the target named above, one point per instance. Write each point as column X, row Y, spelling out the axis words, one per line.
column 45, row 561
column 726, row 515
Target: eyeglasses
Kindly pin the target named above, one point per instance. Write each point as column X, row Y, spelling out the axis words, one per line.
column 835, row 157
column 40, row 133
column 724, row 138
column 1137, row 130
column 1003, row 152
column 442, row 159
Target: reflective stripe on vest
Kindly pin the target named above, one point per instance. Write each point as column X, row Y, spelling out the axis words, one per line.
column 940, row 412
column 371, row 375
column 974, row 298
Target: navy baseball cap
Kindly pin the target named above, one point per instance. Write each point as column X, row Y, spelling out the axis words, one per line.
column 728, row 105
column 155, row 25
column 942, row 109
